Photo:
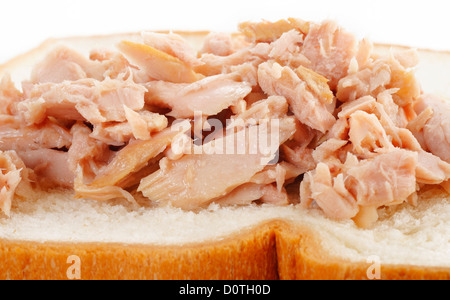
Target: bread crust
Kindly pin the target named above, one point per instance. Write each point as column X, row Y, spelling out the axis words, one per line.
column 270, row 251
column 273, row 250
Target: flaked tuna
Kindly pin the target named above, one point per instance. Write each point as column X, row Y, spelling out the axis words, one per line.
column 309, row 108
column 330, row 50
column 238, row 122
column 435, row 132
column 172, row 44
column 209, row 96
column 83, row 100
column 158, row 64
column 13, row 174
column 194, row 180
column 250, row 192
column 266, row 31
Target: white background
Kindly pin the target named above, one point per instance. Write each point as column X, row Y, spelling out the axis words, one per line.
column 25, row 24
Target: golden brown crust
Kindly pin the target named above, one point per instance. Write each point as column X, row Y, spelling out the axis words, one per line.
column 270, row 251
column 300, row 256
column 249, row 255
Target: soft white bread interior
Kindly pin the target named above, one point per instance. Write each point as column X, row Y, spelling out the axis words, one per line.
column 411, row 236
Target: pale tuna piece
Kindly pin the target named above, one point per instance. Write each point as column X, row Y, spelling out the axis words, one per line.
column 383, row 74
column 87, row 152
column 10, row 177
column 367, row 135
column 286, row 50
column 330, row 50
column 139, row 125
column 309, row 108
column 436, row 132
column 300, row 157
column 363, row 55
column 46, row 135
column 303, row 136
column 218, row 43
column 266, row 31
column 396, row 114
column 339, row 130
column 416, row 125
column 63, row 64
column 87, row 99
column 330, row 152
column 51, row 166
column 133, row 158
column 274, row 107
column 403, row 77
column 329, row 193
column 359, row 187
column 280, row 174
column 116, row 66
column 368, row 81
column 318, row 85
column 387, row 179
column 214, row 64
column 249, row 192
column 366, row 103
column 209, row 96
column 172, row 44
column 195, row 180
column 158, row 64
column 105, row 193
column 431, row 169
column 113, row 133
column 144, row 123
column 9, row 96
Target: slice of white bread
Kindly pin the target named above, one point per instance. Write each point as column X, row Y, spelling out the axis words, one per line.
column 252, row 242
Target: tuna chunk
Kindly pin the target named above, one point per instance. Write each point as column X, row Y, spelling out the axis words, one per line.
column 214, row 64
column 431, row 169
column 87, row 99
column 133, row 158
column 87, row 152
column 436, row 132
column 274, row 107
column 250, row 192
column 378, row 75
column 267, row 32
column 368, row 81
column 280, row 174
column 139, row 125
column 300, row 157
column 368, row 135
column 209, row 96
column 329, row 193
column 46, row 135
column 387, row 179
column 309, row 108
column 157, row 64
column 217, row 43
column 51, row 166
column 330, row 50
column 172, row 44
column 66, row 64
column 9, row 96
column 195, row 180
column 11, row 175
column 286, row 49
column 99, row 193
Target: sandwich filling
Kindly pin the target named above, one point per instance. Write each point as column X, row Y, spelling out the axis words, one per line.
column 283, row 113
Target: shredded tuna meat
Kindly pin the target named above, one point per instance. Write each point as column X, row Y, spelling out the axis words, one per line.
column 240, row 120
column 13, row 170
